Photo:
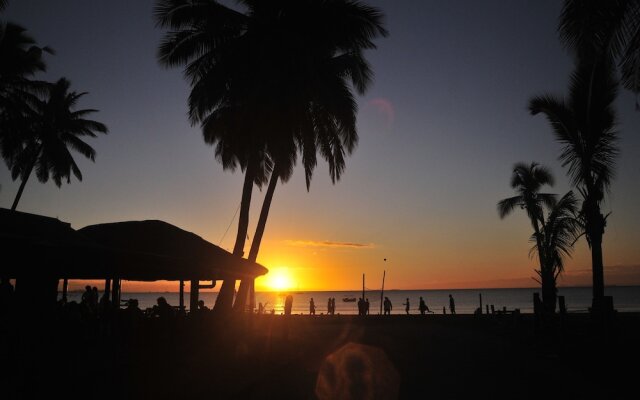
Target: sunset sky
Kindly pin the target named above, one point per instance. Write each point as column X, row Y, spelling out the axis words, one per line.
column 440, row 130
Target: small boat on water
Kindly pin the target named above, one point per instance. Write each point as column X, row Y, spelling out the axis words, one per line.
column 349, row 299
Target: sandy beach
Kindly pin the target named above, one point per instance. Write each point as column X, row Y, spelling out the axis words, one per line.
column 302, row 357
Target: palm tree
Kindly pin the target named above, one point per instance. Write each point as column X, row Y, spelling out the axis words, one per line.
column 527, row 180
column 584, row 124
column 204, row 36
column 272, row 55
column 20, row 59
column 52, row 128
column 326, row 126
column 558, row 235
column 593, row 29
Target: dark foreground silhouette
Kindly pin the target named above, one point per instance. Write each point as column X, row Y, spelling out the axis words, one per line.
column 204, row 355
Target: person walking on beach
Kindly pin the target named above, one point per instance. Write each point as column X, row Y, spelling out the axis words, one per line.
column 452, row 305
column 312, row 307
column 288, row 304
column 423, row 306
column 406, row 306
column 329, row 306
column 366, row 307
column 387, row 306
column 333, row 306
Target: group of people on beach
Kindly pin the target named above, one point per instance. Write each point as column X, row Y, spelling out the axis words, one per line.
column 331, row 306
column 363, row 306
column 424, row 309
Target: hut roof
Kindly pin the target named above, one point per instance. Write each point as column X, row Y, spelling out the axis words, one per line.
column 162, row 249
column 34, row 245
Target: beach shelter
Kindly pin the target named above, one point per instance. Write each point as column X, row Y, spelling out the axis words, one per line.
column 155, row 250
column 36, row 251
column 41, row 250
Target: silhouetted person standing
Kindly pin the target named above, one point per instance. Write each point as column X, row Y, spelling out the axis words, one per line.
column 95, row 297
column 366, row 306
column 452, row 305
column 288, row 304
column 329, row 306
column 87, row 296
column 423, row 306
column 333, row 306
column 312, row 307
column 406, row 306
column 387, row 306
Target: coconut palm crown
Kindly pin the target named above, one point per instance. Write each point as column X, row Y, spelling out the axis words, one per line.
column 53, row 128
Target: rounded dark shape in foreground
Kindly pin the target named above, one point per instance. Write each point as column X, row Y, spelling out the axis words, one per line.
column 357, row 371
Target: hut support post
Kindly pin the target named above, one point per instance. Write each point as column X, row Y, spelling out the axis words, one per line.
column 384, row 274
column 252, row 296
column 65, row 286
column 480, row 295
column 115, row 293
column 194, row 295
column 107, row 288
column 181, row 295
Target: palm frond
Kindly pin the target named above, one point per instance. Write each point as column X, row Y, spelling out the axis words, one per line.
column 506, row 206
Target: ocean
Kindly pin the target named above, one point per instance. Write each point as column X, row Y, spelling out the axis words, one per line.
column 578, row 299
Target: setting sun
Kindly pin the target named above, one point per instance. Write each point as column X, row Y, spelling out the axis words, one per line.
column 279, row 279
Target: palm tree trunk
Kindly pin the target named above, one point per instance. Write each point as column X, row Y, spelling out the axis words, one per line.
column 547, row 279
column 595, row 223
column 597, row 263
column 598, row 269
column 224, row 301
column 247, row 284
column 25, row 178
column 549, row 291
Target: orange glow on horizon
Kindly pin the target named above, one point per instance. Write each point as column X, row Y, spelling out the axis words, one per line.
column 278, row 279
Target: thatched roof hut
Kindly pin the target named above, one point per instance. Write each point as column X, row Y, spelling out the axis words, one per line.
column 34, row 245
column 154, row 250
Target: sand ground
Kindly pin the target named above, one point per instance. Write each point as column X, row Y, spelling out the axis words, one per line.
column 302, row 357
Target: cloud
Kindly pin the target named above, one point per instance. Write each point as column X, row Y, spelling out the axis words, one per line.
column 327, row 243
column 614, row 275
column 384, row 107
column 620, row 275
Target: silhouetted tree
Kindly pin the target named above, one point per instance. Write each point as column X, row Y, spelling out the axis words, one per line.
column 317, row 69
column 557, row 236
column 527, row 180
column 263, row 78
column 584, row 124
column 20, row 60
column 51, row 128
column 593, row 29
